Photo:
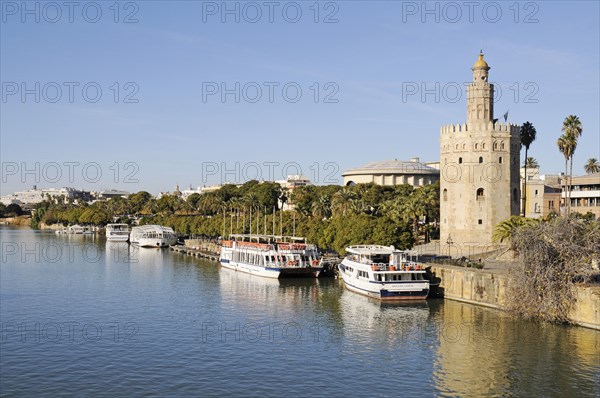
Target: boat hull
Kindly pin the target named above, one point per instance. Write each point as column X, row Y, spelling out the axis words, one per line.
column 272, row 272
column 118, row 238
column 155, row 242
column 386, row 291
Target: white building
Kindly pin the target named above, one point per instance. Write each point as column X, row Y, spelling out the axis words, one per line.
column 289, row 184
column 394, row 172
column 34, row 196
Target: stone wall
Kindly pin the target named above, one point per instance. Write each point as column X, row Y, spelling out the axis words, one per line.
column 489, row 289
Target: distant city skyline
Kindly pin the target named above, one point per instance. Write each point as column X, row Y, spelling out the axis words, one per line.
column 152, row 94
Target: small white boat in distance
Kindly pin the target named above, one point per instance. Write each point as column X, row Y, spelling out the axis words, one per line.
column 75, row 230
column 384, row 273
column 117, row 232
column 152, row 236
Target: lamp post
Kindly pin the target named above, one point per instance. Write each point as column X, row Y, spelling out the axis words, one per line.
column 449, row 242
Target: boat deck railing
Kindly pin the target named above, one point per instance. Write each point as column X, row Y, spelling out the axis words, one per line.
column 385, row 267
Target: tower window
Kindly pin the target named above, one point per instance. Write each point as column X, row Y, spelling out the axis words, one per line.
column 495, row 145
column 481, row 159
column 500, row 159
column 480, row 221
column 445, row 195
column 483, row 146
column 480, row 193
column 476, row 146
column 459, row 160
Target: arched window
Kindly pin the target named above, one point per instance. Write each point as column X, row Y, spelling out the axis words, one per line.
column 500, row 159
column 481, row 159
column 476, row 146
column 502, row 145
column 459, row 160
column 445, row 195
column 456, row 146
column 479, row 194
column 483, row 146
column 464, row 146
column 495, row 145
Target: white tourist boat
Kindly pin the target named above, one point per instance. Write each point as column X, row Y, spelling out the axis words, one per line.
column 117, row 232
column 271, row 256
column 75, row 230
column 384, row 273
column 152, row 236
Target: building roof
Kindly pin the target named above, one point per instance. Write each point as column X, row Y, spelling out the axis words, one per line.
column 393, row 167
column 587, row 179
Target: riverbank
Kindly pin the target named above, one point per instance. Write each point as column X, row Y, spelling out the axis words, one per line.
column 489, row 288
column 19, row 221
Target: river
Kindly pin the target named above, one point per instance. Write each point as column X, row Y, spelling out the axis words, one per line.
column 82, row 316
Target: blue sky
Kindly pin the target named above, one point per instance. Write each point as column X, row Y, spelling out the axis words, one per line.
column 165, row 126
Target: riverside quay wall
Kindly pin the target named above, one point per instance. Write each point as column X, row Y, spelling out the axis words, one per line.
column 490, row 289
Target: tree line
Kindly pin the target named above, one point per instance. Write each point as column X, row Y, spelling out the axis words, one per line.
column 331, row 216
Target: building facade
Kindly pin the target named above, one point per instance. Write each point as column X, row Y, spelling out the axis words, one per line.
column 479, row 161
column 394, row 172
column 35, row 196
column 543, row 193
column 585, row 194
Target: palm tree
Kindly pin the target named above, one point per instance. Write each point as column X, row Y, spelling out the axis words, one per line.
column 321, row 208
column 592, row 166
column 412, row 210
column 572, row 128
column 527, row 137
column 506, row 229
column 342, row 201
column 565, row 146
column 532, row 163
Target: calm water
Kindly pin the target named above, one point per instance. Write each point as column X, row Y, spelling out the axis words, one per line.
column 80, row 316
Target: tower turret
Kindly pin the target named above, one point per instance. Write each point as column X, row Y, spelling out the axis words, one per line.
column 480, row 94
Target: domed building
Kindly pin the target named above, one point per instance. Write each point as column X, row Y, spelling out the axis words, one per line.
column 394, row 172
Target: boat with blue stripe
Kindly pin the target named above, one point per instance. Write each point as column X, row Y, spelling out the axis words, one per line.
column 384, row 273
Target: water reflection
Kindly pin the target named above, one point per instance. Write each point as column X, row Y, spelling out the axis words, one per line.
column 246, row 290
column 390, row 323
column 485, row 352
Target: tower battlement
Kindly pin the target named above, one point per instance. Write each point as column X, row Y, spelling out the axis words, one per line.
column 478, row 127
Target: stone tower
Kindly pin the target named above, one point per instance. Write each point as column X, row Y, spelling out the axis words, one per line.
column 479, row 162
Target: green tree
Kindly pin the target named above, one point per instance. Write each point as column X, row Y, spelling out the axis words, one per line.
column 321, row 208
column 13, row 210
column 528, row 134
column 573, row 129
column 565, row 146
column 531, row 163
column 592, row 166
column 194, row 200
column 505, row 230
column 342, row 201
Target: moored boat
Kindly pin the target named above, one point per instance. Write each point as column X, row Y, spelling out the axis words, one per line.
column 384, row 273
column 75, row 230
column 271, row 256
column 153, row 236
column 117, row 232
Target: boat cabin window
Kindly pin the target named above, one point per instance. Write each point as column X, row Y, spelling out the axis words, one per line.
column 380, row 258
